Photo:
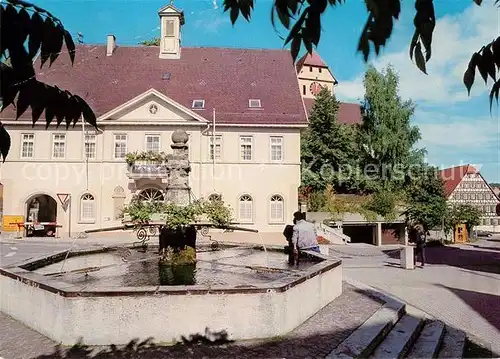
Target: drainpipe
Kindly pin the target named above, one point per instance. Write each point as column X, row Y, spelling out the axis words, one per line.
column 213, row 144
column 203, row 133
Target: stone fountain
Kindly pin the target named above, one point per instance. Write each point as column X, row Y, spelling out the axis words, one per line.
column 114, row 295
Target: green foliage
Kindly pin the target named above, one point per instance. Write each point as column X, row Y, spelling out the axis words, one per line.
column 26, row 30
column 155, row 41
column 174, row 215
column 384, row 204
column 158, row 157
column 426, row 202
column 375, row 34
column 386, row 137
column 462, row 214
column 217, row 212
column 327, row 147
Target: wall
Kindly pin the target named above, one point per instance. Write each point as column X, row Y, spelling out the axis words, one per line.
column 309, row 74
column 117, row 319
column 232, row 177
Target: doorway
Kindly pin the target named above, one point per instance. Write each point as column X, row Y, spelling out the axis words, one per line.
column 41, row 208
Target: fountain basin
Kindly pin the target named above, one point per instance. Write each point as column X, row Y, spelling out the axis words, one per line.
column 97, row 313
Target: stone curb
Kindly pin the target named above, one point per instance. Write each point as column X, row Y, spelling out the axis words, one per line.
column 366, row 337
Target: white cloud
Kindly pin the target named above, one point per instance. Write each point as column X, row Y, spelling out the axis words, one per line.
column 457, row 132
column 455, row 38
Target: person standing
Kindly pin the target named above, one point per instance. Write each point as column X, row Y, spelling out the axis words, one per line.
column 419, row 245
column 288, row 233
column 304, row 235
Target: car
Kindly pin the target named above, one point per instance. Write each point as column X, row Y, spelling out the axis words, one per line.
column 484, row 234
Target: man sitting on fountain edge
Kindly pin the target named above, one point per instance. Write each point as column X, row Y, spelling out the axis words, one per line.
column 304, row 234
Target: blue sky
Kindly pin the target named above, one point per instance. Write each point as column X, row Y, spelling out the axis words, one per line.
column 456, row 129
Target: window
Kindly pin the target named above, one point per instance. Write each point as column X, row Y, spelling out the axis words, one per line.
column 310, row 69
column 169, row 28
column 59, row 146
column 87, row 208
column 246, row 148
column 246, row 208
column 28, row 145
column 153, row 143
column 151, row 195
column 215, row 197
column 215, row 148
column 120, row 146
column 90, row 146
column 254, row 103
column 303, row 89
column 277, row 208
column 276, row 147
column 319, row 70
column 198, row 104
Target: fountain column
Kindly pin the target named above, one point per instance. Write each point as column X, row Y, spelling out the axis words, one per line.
column 177, row 245
column 178, row 168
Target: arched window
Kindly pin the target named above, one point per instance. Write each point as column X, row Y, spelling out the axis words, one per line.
column 87, row 208
column 215, row 197
column 245, row 208
column 151, row 194
column 277, row 209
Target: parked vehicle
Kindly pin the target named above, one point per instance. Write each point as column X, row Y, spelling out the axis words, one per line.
column 483, row 234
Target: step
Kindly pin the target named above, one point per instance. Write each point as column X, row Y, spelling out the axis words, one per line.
column 369, row 334
column 453, row 343
column 429, row 341
column 402, row 336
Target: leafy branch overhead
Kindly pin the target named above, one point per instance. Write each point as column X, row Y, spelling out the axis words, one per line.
column 302, row 18
column 26, row 31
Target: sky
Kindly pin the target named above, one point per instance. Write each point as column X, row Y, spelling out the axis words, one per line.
column 456, row 128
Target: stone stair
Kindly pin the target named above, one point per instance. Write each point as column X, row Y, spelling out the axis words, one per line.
column 396, row 331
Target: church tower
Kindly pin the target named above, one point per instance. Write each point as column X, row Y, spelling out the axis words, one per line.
column 171, row 21
column 314, row 74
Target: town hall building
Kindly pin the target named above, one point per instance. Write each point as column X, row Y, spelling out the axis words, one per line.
column 243, row 109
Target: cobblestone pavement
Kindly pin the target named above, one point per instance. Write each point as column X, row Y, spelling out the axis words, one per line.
column 459, row 284
column 313, row 339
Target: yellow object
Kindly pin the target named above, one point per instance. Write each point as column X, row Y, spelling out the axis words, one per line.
column 461, row 233
column 9, row 223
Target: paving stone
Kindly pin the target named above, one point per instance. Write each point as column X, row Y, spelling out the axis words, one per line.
column 453, row 344
column 313, row 339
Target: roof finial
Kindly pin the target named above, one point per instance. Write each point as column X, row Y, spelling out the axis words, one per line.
column 172, row 2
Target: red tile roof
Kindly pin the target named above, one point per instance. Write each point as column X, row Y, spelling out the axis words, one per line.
column 453, row 176
column 349, row 113
column 311, row 60
column 225, row 78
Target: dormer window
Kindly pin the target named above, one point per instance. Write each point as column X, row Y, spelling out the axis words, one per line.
column 254, row 103
column 198, row 104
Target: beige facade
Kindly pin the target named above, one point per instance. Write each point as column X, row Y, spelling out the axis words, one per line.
column 256, row 169
column 310, row 75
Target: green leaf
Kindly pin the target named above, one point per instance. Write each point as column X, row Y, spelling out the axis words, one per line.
column 419, row 58
column 281, row 7
column 297, row 26
column 36, row 33
column 489, row 62
column 70, row 45
column 482, row 67
column 235, row 11
column 469, row 75
column 5, row 142
column 414, row 41
column 295, row 47
column 56, row 43
column 494, row 92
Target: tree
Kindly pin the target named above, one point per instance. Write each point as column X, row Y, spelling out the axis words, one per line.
column 377, row 30
column 327, row 147
column 44, row 34
column 426, row 201
column 155, row 41
column 386, row 137
column 463, row 214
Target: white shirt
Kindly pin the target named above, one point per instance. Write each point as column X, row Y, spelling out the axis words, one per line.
column 304, row 235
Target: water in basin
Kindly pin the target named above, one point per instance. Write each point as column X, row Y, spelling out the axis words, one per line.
column 126, row 268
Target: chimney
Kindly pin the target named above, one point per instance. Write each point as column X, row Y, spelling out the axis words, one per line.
column 111, row 45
